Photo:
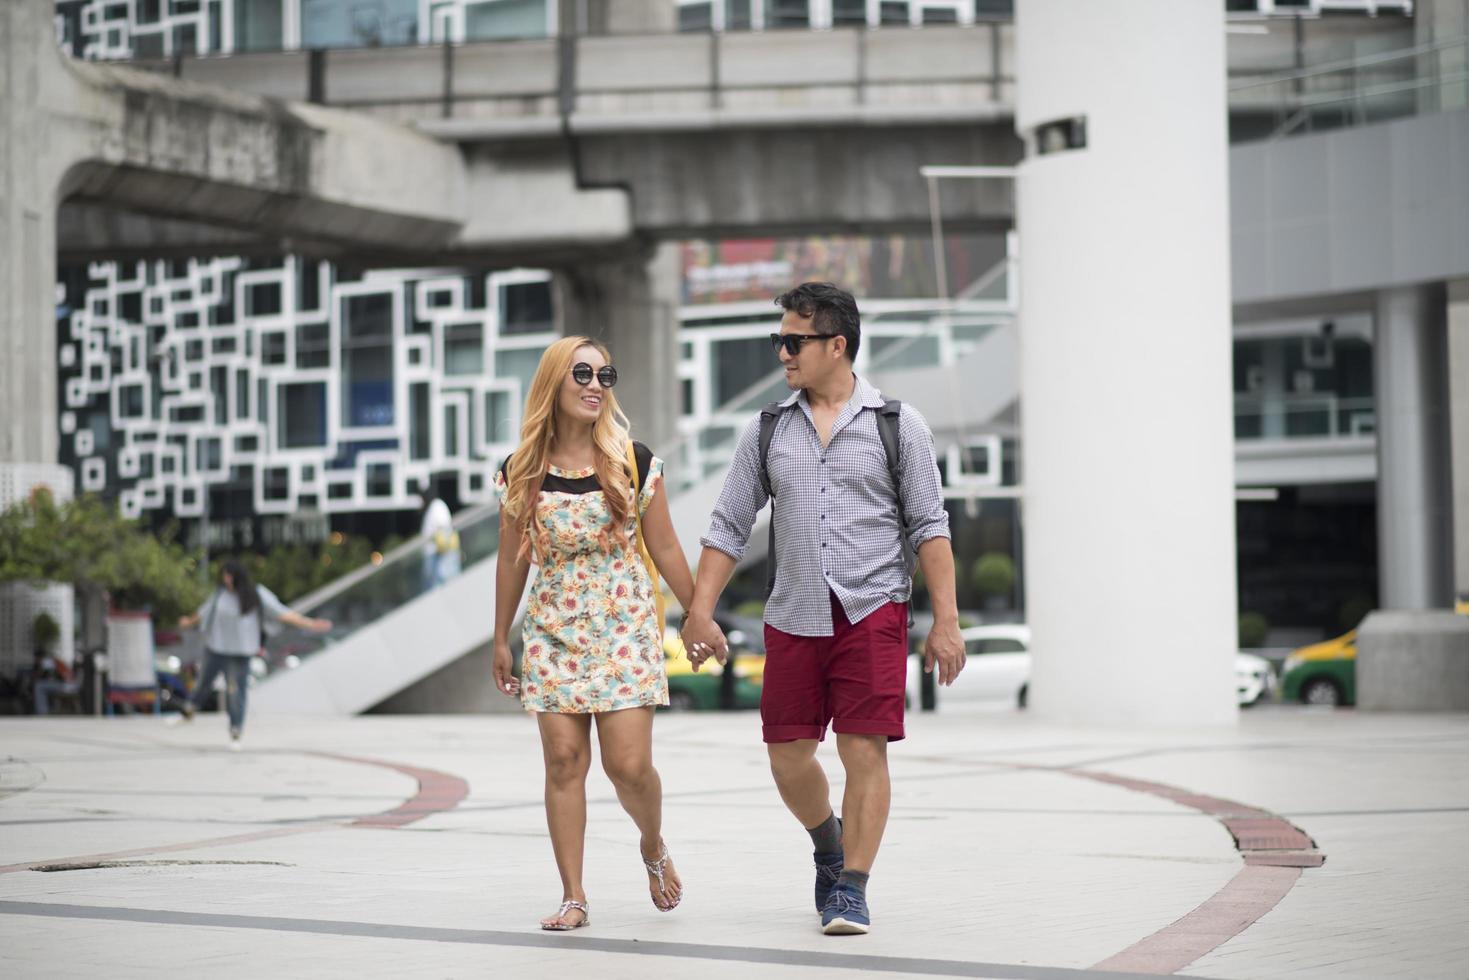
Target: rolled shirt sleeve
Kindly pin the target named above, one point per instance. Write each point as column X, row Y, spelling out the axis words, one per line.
column 269, row 604
column 741, row 499
column 922, row 489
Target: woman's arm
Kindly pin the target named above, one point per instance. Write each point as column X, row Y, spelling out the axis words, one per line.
column 663, row 545
column 510, row 575
column 292, row 618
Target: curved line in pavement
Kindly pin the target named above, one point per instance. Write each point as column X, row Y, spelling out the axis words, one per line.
column 437, row 792
column 1274, row 851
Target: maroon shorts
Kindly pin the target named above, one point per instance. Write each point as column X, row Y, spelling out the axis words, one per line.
column 854, row 679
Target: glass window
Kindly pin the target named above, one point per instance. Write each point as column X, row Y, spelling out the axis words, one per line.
column 848, row 12
column 499, row 422
column 302, row 419
column 525, row 307
column 994, row 9
column 695, row 16
column 367, row 359
column 787, row 13
column 502, row 19
column 418, row 421
column 259, row 25
column 518, row 364
column 737, row 16
column 464, row 351
column 361, row 23
column 892, row 12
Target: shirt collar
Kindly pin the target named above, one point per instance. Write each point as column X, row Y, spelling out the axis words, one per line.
column 864, row 394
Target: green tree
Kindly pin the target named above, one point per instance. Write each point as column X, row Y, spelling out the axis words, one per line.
column 993, row 574
column 88, row 543
column 1253, row 628
column 45, row 632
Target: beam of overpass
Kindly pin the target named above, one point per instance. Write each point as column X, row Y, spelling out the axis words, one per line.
column 185, row 151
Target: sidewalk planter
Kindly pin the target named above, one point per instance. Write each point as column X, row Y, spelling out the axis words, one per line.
column 131, row 679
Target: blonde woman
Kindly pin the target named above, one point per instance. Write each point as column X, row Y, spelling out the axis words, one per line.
column 571, row 504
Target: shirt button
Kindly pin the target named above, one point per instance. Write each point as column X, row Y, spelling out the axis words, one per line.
column 823, row 489
column 823, row 517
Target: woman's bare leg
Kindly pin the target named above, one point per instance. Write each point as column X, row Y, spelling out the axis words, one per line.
column 566, row 743
column 626, row 739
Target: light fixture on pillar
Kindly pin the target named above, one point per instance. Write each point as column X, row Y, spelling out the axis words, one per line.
column 1059, row 135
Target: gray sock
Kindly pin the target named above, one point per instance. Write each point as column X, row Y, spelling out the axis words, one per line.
column 854, row 880
column 826, row 836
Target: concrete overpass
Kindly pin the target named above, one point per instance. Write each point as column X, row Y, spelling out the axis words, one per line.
column 176, row 148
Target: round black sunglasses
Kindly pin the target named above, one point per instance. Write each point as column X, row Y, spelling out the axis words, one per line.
column 606, row 375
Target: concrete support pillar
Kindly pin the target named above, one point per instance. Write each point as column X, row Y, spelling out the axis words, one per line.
column 1442, row 20
column 631, row 305
column 1125, row 351
column 1458, row 330
column 1414, row 515
column 31, row 165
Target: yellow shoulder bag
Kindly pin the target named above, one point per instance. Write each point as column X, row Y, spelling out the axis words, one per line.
column 658, row 601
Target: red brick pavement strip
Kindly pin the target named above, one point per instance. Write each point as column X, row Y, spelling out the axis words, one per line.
column 1274, row 853
column 437, row 792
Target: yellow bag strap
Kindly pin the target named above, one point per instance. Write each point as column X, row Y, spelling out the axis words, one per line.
column 658, row 601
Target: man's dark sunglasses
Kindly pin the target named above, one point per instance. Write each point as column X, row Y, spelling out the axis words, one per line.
column 606, row 375
column 792, row 341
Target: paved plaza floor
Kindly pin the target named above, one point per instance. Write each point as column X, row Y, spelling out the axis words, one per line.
column 1301, row 844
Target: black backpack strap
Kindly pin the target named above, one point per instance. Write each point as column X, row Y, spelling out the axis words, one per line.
column 892, row 446
column 644, row 457
column 769, row 415
column 887, row 430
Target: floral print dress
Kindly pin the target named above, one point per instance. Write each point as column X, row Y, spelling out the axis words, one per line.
column 591, row 627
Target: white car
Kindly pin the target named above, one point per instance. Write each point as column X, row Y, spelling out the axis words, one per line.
column 997, row 670
column 1254, row 678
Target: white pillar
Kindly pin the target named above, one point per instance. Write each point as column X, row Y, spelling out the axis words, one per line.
column 1414, row 496
column 1126, row 408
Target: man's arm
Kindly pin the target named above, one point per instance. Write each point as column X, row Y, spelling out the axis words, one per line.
column 928, row 533
column 729, row 534
column 945, row 644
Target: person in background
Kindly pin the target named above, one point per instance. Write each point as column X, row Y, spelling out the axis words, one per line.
column 50, row 677
column 233, row 619
column 441, row 558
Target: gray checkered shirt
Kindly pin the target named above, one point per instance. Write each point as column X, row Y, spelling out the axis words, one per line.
column 836, row 523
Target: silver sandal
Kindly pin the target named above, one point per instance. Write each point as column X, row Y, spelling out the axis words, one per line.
column 656, row 868
column 568, row 906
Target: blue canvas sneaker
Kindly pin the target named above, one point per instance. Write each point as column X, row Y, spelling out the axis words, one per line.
column 845, row 913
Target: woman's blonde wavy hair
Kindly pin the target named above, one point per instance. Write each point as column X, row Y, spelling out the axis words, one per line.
column 528, row 465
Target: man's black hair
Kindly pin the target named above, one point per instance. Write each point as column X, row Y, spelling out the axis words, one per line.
column 831, row 310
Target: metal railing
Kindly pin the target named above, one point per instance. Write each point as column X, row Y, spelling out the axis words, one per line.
column 518, row 82
column 1408, row 81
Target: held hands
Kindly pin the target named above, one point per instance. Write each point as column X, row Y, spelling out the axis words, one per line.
column 505, row 681
column 702, row 639
column 944, row 646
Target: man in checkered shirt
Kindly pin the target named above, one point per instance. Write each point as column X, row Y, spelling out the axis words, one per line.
column 836, row 622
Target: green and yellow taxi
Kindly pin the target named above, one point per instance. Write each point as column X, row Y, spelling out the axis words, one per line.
column 705, row 690
column 1322, row 673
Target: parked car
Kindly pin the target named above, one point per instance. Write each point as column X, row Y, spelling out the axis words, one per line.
column 997, row 669
column 1254, row 679
column 1322, row 673
column 688, row 691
